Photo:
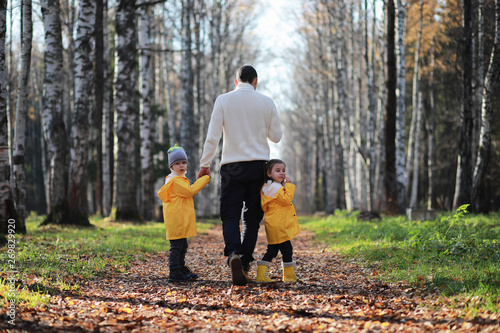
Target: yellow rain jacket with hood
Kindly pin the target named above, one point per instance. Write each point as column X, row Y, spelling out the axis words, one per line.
column 280, row 217
column 178, row 205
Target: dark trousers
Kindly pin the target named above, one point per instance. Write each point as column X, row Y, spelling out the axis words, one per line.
column 285, row 248
column 178, row 250
column 241, row 182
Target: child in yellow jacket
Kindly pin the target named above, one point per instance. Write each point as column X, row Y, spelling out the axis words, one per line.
column 178, row 212
column 282, row 224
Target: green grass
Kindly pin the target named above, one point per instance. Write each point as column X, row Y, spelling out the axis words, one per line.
column 52, row 258
column 457, row 254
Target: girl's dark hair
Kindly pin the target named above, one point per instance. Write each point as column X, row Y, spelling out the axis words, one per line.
column 268, row 166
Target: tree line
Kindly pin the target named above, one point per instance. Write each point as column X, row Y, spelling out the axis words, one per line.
column 109, row 88
column 392, row 103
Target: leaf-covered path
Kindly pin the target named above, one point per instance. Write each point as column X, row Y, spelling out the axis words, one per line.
column 335, row 296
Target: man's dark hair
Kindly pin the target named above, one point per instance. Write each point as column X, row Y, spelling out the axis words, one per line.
column 246, row 74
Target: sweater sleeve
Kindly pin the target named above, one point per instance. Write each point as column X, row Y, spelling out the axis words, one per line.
column 274, row 132
column 214, row 134
column 183, row 189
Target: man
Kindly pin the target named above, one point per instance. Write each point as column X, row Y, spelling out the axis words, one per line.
column 246, row 119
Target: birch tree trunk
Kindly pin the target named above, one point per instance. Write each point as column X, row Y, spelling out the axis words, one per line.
column 54, row 128
column 19, row 176
column 7, row 210
column 401, row 111
column 416, row 116
column 463, row 186
column 107, row 123
column 484, row 150
column 372, row 115
column 126, row 114
column 99, row 100
column 390, row 113
column 146, row 116
column 188, row 132
column 416, row 78
column 432, row 137
column 80, row 131
column 68, row 17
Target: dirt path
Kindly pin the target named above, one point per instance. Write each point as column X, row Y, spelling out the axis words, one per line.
column 335, row 296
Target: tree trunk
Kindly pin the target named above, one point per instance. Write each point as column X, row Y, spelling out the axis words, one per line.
column 146, row 117
column 189, row 132
column 414, row 140
column 484, row 150
column 68, row 17
column 19, row 174
column 401, row 112
column 372, row 114
column 126, row 113
column 80, row 131
column 390, row 113
column 53, row 116
column 7, row 210
column 415, row 91
column 418, row 115
column 108, row 123
column 99, row 100
column 463, row 189
column 431, row 194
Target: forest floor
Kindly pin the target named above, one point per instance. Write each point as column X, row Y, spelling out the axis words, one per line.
column 335, row 295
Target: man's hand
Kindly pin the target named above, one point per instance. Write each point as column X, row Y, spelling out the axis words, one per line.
column 203, row 171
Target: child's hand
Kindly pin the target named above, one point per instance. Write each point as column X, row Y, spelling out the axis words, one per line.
column 288, row 179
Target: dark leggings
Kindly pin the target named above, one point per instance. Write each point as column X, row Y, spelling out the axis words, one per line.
column 285, row 248
column 178, row 250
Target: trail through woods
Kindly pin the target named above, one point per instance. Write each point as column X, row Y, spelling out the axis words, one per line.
column 335, row 296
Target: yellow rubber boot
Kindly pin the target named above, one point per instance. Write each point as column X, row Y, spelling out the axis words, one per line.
column 262, row 271
column 289, row 272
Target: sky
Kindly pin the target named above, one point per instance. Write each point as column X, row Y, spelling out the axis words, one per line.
column 276, row 29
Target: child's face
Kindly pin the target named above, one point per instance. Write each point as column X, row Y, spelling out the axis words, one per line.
column 277, row 173
column 180, row 167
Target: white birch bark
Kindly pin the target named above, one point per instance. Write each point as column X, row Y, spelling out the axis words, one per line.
column 484, row 149
column 6, row 199
column 107, row 123
column 126, row 113
column 188, row 130
column 146, row 116
column 52, row 115
column 19, row 177
column 401, row 109
column 83, row 107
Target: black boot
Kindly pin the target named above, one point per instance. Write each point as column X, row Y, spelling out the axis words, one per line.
column 177, row 275
column 187, row 271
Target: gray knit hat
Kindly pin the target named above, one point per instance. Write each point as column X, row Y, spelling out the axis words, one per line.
column 176, row 154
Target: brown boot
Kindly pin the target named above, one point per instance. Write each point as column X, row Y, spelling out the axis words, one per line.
column 239, row 278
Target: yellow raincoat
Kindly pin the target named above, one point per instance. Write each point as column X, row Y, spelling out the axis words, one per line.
column 281, row 219
column 178, row 206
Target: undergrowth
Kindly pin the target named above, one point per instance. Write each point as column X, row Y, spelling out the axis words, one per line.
column 457, row 254
column 52, row 259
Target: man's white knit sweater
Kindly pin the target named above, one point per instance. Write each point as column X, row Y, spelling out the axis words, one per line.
column 247, row 119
